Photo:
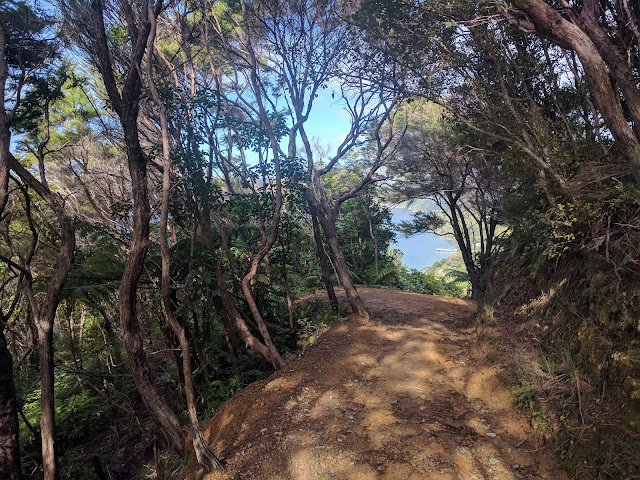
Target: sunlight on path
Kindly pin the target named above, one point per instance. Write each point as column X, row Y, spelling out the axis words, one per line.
column 404, row 396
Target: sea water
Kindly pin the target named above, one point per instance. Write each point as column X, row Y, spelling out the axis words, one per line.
column 420, row 251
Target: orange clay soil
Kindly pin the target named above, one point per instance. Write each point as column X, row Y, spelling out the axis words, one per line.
column 407, row 395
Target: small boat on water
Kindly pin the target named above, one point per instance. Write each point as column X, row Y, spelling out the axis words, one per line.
column 447, row 250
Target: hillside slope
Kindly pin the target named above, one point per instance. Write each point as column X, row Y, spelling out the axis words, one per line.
column 405, row 396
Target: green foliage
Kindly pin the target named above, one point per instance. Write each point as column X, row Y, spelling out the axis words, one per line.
column 44, row 91
column 313, row 318
column 399, row 276
column 580, row 206
column 255, row 136
column 422, row 222
column 79, row 412
column 416, row 281
column 248, row 369
column 365, row 231
column 95, row 281
column 26, row 27
column 452, row 272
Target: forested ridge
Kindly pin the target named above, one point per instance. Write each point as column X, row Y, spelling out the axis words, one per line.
column 168, row 202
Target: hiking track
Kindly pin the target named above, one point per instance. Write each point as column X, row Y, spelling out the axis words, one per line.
column 407, row 395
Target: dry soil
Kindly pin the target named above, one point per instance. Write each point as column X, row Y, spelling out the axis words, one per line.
column 407, row 395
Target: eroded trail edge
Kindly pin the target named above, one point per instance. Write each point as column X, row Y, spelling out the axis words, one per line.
column 406, row 396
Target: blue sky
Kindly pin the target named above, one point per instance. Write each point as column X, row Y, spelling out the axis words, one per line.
column 328, row 121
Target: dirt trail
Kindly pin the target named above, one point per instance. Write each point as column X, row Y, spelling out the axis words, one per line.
column 406, row 396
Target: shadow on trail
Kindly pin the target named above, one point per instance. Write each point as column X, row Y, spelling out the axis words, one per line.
column 402, row 396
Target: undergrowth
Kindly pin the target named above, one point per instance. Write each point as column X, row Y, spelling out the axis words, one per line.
column 576, row 418
column 313, row 318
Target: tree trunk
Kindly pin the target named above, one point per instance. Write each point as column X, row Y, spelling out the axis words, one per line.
column 45, row 315
column 228, row 333
column 287, row 294
column 252, row 271
column 357, row 305
column 174, row 347
column 325, row 268
column 374, row 240
column 273, row 356
column 549, row 23
column 132, row 336
column 47, row 407
column 198, row 339
column 69, row 312
column 234, row 317
column 229, row 306
column 9, row 434
column 83, row 323
column 126, row 106
column 5, row 142
column 460, row 233
column 204, row 455
column 114, row 344
column 5, row 133
column 127, row 295
column 44, row 323
column 615, row 60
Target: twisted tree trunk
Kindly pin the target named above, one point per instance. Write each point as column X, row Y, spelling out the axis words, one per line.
column 325, row 268
column 355, row 301
column 598, row 64
column 45, row 315
column 204, row 455
column 126, row 105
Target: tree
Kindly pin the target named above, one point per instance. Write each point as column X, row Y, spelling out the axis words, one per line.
column 91, row 34
column 463, row 181
column 296, row 50
column 209, row 120
column 9, row 434
column 22, row 62
column 363, row 227
column 604, row 35
column 527, row 126
column 204, row 455
column 9, row 429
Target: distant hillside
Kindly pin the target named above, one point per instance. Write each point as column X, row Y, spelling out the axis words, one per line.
column 422, row 205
